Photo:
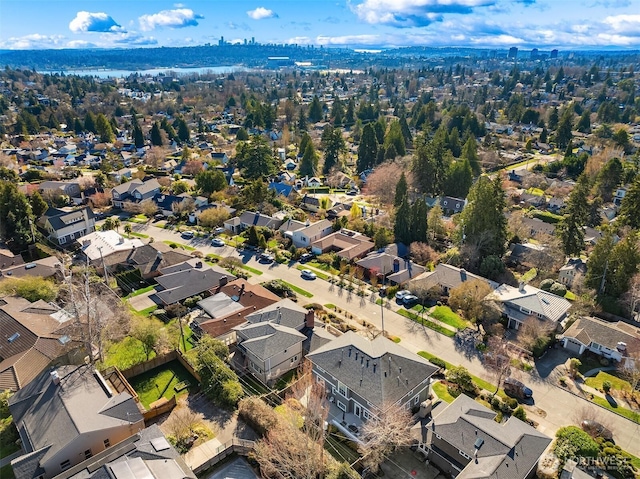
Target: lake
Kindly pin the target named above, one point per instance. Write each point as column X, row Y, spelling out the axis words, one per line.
column 105, row 73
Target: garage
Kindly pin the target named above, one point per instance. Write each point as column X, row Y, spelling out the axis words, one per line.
column 573, row 345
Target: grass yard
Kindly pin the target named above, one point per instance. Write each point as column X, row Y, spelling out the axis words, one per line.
column 330, row 306
column 339, row 449
column 601, row 377
column 6, row 472
column 628, row 413
column 140, row 291
column 179, row 245
column 251, row 270
column 425, row 322
column 125, row 354
column 444, row 314
column 298, row 290
column 138, row 235
column 8, row 438
column 324, row 267
column 318, row 273
column 440, row 390
column 251, row 386
column 147, row 311
column 160, row 382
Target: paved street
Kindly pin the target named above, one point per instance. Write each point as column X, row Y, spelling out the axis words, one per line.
column 554, row 407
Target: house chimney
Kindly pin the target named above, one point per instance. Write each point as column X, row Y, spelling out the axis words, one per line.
column 241, row 290
column 521, row 287
column 198, row 264
column 309, row 319
column 223, row 280
column 55, row 378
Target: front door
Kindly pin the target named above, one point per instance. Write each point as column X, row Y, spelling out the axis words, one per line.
column 357, row 410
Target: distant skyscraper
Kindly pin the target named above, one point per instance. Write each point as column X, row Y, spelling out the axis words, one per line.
column 534, row 53
column 253, row 40
column 513, row 52
column 554, row 53
column 221, row 41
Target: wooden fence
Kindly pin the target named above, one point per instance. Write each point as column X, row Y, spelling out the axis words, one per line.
column 145, row 366
column 161, row 409
column 240, row 446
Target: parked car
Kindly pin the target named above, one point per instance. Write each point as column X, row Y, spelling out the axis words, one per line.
column 187, row 234
column 217, row 242
column 306, row 257
column 307, row 274
column 596, row 429
column 401, row 294
column 515, row 388
column 409, row 300
column 266, row 258
column 158, row 216
column 218, row 230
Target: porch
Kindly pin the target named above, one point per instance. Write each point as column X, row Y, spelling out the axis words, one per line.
column 348, row 423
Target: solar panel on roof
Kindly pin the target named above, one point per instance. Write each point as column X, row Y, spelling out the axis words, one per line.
column 160, row 444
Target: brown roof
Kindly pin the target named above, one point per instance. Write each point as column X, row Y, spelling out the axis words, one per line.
column 347, row 246
column 588, row 329
column 254, row 297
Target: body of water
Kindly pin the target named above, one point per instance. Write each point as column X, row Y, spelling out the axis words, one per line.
column 104, row 73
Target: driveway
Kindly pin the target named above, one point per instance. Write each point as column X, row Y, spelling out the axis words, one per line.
column 142, row 301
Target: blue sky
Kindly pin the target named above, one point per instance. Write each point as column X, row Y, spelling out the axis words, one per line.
column 565, row 24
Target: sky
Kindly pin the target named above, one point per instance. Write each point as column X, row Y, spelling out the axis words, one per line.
column 543, row 24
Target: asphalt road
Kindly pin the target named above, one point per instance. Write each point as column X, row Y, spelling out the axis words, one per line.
column 553, row 406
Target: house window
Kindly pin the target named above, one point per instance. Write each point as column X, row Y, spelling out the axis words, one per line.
column 62, row 240
column 294, row 359
column 65, row 465
column 366, row 414
column 341, row 406
column 465, row 455
column 107, row 443
column 342, row 389
column 416, row 400
column 87, row 454
column 595, row 346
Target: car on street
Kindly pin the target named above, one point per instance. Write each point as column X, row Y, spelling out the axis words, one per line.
column 217, row 242
column 401, row 294
column 266, row 258
column 306, row 257
column 409, row 300
column 187, row 234
column 595, row 429
column 517, row 389
column 218, row 230
column 307, row 274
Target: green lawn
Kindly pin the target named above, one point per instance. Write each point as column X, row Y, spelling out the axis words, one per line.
column 298, row 290
column 136, row 220
column 125, row 354
column 160, row 382
column 251, row 270
column 441, row 391
column 6, row 472
column 339, row 449
column 444, row 314
column 324, row 267
column 570, row 296
column 180, row 245
column 140, row 291
column 428, row 356
column 138, row 235
column 628, row 413
column 616, row 382
column 330, row 306
column 318, row 273
column 147, row 311
column 425, row 322
column 8, row 437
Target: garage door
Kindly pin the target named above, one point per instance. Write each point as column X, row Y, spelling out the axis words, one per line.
column 572, row 345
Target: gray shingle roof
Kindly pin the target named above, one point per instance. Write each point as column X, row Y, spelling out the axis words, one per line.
column 380, row 371
column 586, row 330
column 184, row 283
column 265, row 340
column 285, row 312
column 509, row 450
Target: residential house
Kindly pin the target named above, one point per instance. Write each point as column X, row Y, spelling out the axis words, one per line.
column 528, row 254
column 290, row 226
column 165, row 203
column 448, row 277
column 466, row 442
column 220, row 156
column 451, row 206
column 194, row 217
column 65, row 226
column 121, row 174
column 44, row 268
column 619, row 196
column 99, row 246
column 313, row 182
column 556, row 204
column 303, row 237
column 615, row 341
column 348, row 244
column 150, row 259
column 147, row 452
column 228, row 306
column 134, row 191
column 395, row 269
column 525, row 301
column 58, row 188
column 574, row 268
column 268, row 349
column 67, row 415
column 282, row 189
column 36, row 336
column 536, row 227
column 252, row 218
column 8, row 259
column 193, row 277
column 313, row 204
column 234, row 225
column 363, row 377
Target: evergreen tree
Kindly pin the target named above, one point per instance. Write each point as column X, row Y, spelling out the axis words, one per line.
column 210, row 181
column 482, row 221
column 609, row 178
column 302, row 121
column 394, row 137
column 253, row 237
column 90, row 122
column 166, row 126
column 564, row 135
column 623, row 265
column 337, row 112
column 470, row 152
column 138, row 139
column 406, row 132
column 304, row 141
column 256, row 159
column 315, row 110
column 454, row 143
column 78, row 127
column 598, row 261
column 367, row 149
column 333, row 145
column 419, row 213
column 402, row 226
column 103, row 128
column 156, row 136
column 553, row 119
column 571, row 228
column 584, row 123
column 459, row 179
column 431, row 164
column 38, row 204
column 401, row 190
column 309, row 162
column 630, row 208
column 183, row 129
column 350, row 115
column 15, row 217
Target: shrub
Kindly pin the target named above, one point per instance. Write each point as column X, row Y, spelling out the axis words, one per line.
column 257, row 414
column 558, row 289
column 520, row 413
column 192, row 301
column 438, row 362
column 495, row 402
column 545, row 285
column 512, row 402
column 31, row 288
column 606, row 386
column 573, row 441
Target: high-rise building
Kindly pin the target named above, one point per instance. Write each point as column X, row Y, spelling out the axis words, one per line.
column 513, row 52
column 221, row 42
column 534, row 54
column 554, row 53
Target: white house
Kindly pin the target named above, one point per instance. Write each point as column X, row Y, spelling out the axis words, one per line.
column 303, row 237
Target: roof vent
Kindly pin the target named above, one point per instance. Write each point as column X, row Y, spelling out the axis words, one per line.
column 621, row 346
column 55, row 378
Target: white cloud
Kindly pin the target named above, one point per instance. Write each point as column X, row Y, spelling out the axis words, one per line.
column 34, row 41
column 177, row 18
column 127, row 39
column 624, row 24
column 261, row 13
column 413, row 13
column 80, row 44
column 93, row 22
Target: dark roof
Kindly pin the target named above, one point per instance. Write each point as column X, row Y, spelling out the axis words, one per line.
column 265, row 340
column 380, row 371
column 189, row 281
column 450, row 277
column 253, row 218
column 509, row 450
column 281, row 189
column 58, row 219
column 284, row 312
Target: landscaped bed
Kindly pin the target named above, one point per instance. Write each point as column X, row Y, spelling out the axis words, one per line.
column 162, row 382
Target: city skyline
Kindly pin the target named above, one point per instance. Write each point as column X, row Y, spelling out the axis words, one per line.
column 543, row 24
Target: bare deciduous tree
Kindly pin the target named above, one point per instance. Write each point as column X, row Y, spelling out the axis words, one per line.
column 148, row 207
column 630, row 369
column 382, row 182
column 156, row 156
column 99, row 200
column 497, row 359
column 531, row 330
column 469, row 298
column 131, row 207
column 383, row 434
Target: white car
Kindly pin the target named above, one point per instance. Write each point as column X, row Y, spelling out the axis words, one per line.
column 307, row 274
column 401, row 294
column 187, row 234
column 217, row 242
